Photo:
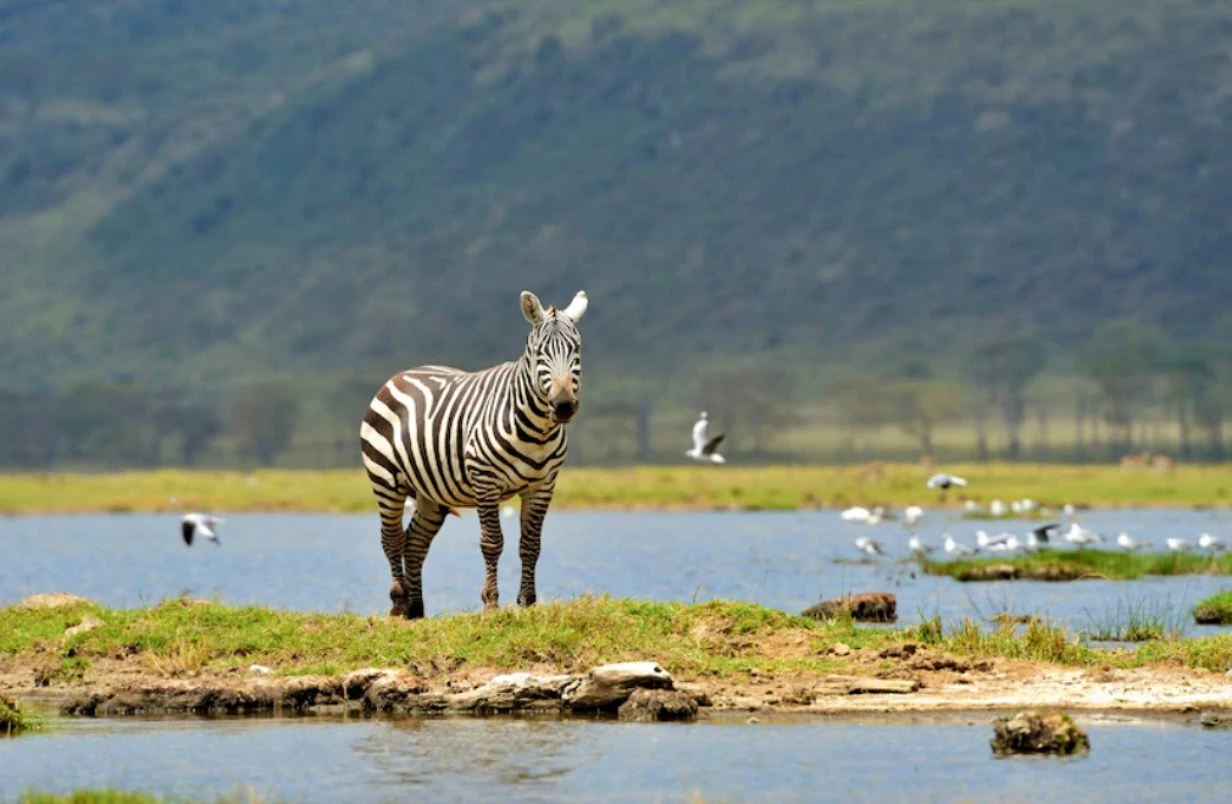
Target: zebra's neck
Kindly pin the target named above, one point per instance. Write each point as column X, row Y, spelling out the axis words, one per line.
column 530, row 415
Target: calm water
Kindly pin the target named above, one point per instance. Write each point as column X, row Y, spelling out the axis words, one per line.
column 334, row 562
column 507, row 760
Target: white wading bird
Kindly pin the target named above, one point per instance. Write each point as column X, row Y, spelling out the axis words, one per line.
column 912, row 514
column 1177, row 545
column 957, row 549
column 1208, row 542
column 867, row 545
column 704, row 450
column 410, row 506
column 1127, row 542
column 203, row 524
column 918, row 547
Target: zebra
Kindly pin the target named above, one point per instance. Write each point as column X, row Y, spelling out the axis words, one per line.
column 448, row 438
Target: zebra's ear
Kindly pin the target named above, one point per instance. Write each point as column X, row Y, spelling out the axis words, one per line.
column 531, row 308
column 577, row 307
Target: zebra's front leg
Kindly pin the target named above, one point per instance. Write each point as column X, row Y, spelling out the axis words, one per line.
column 425, row 524
column 491, row 543
column 535, row 502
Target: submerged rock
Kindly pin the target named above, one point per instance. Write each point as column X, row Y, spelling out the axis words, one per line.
column 1033, row 733
column 649, row 705
column 877, row 607
column 1215, row 720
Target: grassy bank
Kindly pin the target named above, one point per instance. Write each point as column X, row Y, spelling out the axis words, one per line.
column 1215, row 610
column 731, row 486
column 1068, row 565
column 717, row 639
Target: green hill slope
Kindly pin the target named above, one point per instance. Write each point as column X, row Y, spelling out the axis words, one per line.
column 217, row 190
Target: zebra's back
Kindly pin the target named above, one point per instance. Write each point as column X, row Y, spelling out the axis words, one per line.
column 417, row 428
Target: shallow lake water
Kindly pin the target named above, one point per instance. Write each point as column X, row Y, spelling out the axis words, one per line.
column 514, row 760
column 787, row 560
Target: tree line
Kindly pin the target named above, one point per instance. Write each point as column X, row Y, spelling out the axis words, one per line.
column 1129, row 384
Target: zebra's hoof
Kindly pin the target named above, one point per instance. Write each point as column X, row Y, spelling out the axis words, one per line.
column 526, row 600
column 398, row 610
column 415, row 610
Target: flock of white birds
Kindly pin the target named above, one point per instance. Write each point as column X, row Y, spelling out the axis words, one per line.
column 1036, row 539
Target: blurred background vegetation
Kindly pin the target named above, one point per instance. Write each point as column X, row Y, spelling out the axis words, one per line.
column 848, row 229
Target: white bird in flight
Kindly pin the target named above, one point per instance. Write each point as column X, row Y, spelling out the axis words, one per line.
column 203, row 524
column 942, row 480
column 704, row 449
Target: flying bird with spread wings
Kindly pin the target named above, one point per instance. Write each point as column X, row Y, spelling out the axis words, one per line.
column 193, row 524
column 705, row 450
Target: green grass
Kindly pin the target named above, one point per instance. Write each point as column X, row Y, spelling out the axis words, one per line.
column 759, row 487
column 714, row 639
column 109, row 796
column 1215, row 610
column 1135, row 620
column 13, row 720
column 1062, row 565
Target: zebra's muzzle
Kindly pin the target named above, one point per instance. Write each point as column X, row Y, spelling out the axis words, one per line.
column 563, row 410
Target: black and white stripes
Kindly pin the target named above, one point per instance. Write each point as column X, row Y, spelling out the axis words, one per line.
column 448, row 438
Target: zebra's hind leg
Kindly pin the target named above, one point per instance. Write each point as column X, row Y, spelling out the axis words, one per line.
column 393, row 543
column 535, row 502
column 425, row 524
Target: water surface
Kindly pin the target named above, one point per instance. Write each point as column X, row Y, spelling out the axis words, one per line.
column 333, row 563
column 511, row 760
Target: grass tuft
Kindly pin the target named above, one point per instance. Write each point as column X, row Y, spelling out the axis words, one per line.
column 110, row 796
column 13, row 720
column 1070, row 565
column 1136, row 620
column 1215, row 610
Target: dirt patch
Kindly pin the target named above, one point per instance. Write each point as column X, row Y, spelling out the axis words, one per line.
column 53, row 600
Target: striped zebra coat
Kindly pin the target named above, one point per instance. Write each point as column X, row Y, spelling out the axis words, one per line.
column 447, row 438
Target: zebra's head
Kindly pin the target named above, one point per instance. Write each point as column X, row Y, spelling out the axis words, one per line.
column 554, row 349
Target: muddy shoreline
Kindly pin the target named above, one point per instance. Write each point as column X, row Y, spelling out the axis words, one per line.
column 995, row 686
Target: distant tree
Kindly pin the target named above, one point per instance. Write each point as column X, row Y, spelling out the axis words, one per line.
column 199, row 424
column 755, row 403
column 104, row 422
column 1120, row 358
column 1002, row 369
column 919, row 405
column 261, row 417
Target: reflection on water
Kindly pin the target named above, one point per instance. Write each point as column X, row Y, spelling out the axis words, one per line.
column 509, row 760
column 786, row 560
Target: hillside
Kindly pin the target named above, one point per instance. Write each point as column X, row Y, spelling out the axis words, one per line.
column 208, row 191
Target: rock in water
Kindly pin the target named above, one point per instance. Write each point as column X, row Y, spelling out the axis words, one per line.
column 648, row 705
column 1033, row 733
column 876, row 607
